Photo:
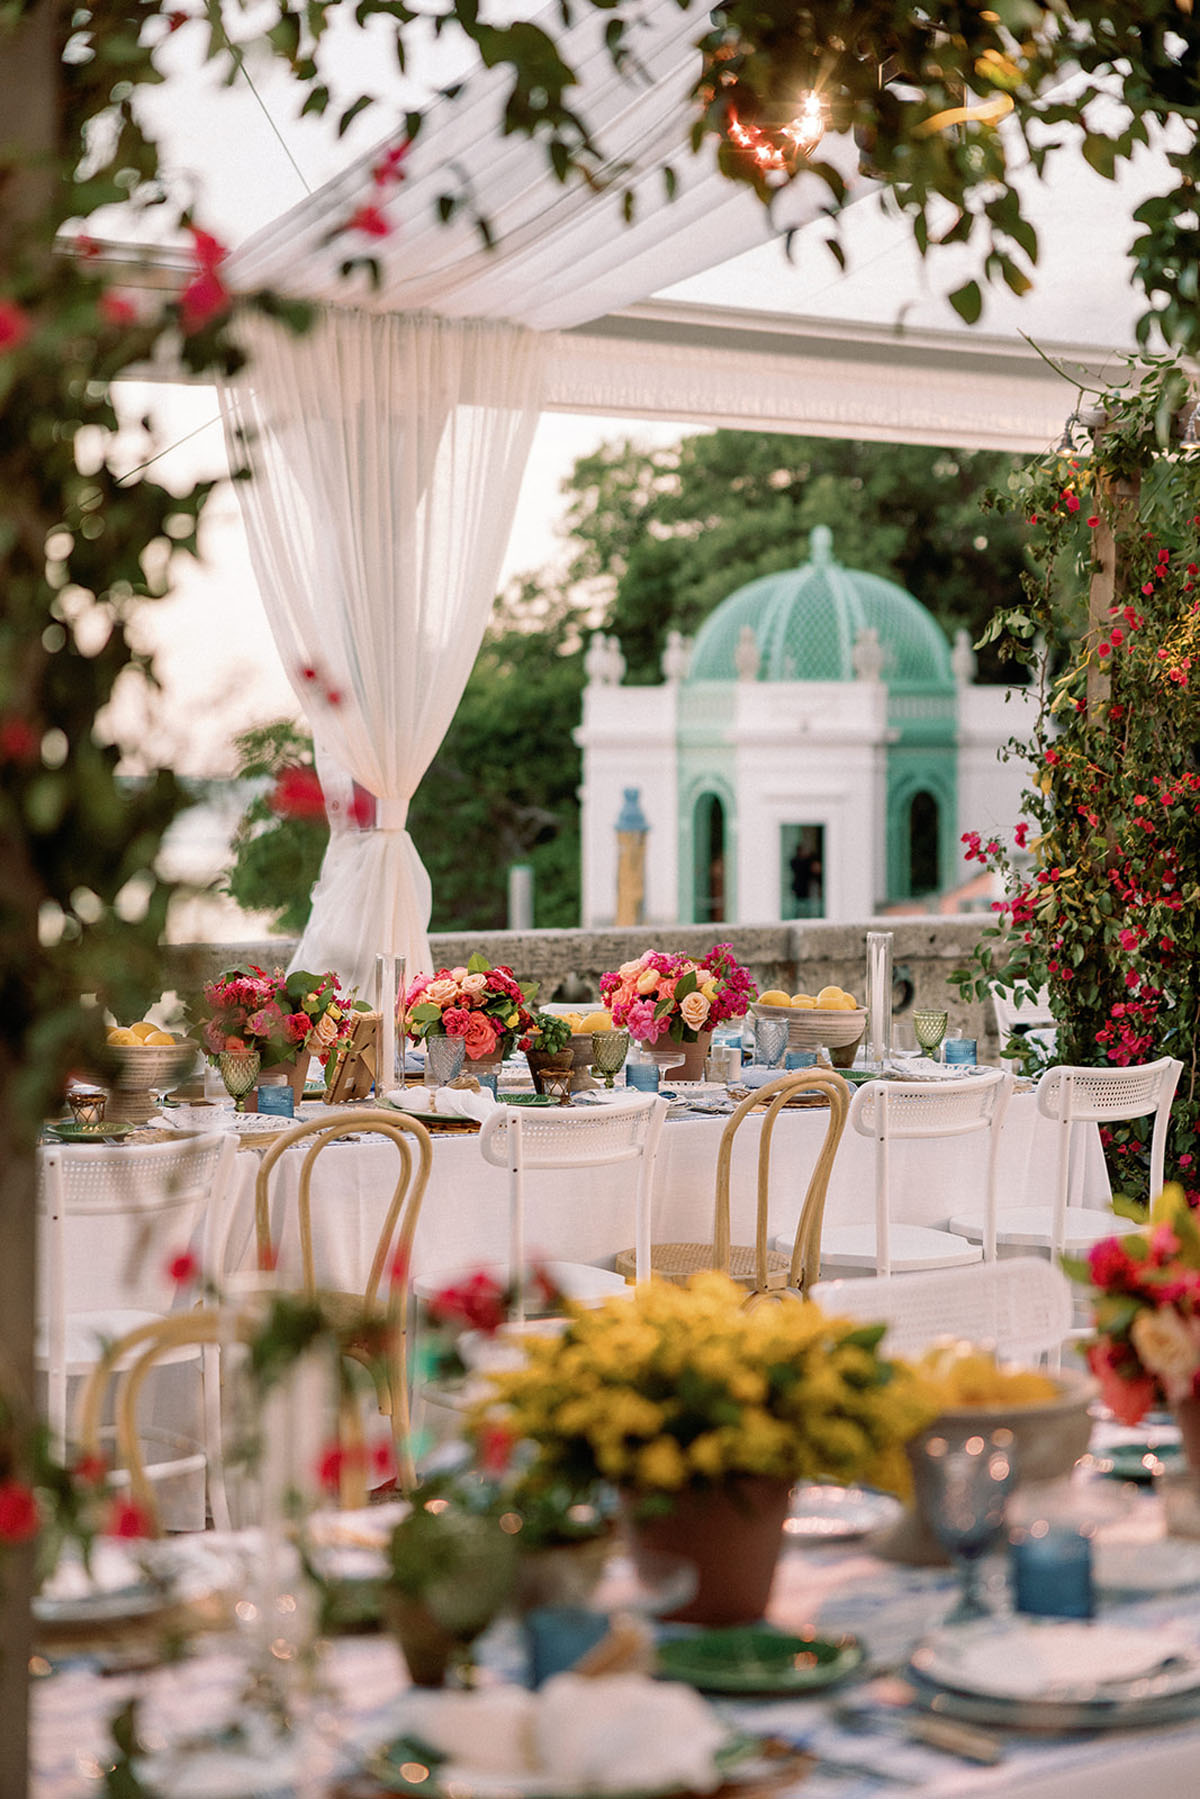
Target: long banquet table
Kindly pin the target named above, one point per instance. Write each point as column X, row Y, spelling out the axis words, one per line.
column 586, row 1214
column 837, row 1588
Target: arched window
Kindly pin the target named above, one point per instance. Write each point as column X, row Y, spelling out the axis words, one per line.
column 924, row 844
column 708, row 838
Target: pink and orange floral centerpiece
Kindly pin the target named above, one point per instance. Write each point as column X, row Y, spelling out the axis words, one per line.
column 485, row 1006
column 662, row 998
column 1146, row 1348
column 283, row 1018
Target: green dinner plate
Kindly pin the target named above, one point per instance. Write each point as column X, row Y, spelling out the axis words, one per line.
column 753, row 1659
column 67, row 1131
column 1140, row 1461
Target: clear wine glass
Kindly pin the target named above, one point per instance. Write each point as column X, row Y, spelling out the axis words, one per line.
column 963, row 1481
column 905, row 1048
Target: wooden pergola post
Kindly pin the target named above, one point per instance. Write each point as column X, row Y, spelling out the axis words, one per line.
column 29, row 148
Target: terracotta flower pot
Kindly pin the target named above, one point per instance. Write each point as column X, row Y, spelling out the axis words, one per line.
column 732, row 1534
column 543, row 1062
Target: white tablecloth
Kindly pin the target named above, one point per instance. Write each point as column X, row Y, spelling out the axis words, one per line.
column 586, row 1214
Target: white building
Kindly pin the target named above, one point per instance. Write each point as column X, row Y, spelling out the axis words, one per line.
column 818, row 753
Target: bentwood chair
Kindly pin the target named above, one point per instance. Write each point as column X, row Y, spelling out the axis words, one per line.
column 111, row 1221
column 1021, row 1308
column 888, row 1111
column 296, row 1418
column 793, row 1264
column 1071, row 1096
column 382, row 1313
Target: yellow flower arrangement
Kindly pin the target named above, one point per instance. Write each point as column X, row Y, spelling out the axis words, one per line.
column 678, row 1387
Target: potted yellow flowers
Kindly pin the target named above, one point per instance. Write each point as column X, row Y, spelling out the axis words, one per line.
column 703, row 1414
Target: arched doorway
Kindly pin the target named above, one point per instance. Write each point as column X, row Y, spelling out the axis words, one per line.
column 924, row 843
column 708, row 875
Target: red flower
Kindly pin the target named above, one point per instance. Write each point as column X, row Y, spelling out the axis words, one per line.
column 1070, row 500
column 90, row 1471
column 128, row 1519
column 456, row 1020
column 495, row 1449
column 296, row 1026
column 389, row 167
column 15, row 326
column 209, row 253
column 478, row 1303
column 115, row 309
column 18, row 739
column 329, row 1468
column 1094, row 520
column 370, row 221
column 297, row 793
column 1110, row 1264
column 19, row 1515
column 480, row 1036
column 205, row 297
column 183, row 1268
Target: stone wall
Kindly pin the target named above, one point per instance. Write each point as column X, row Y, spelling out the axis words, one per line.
column 797, row 957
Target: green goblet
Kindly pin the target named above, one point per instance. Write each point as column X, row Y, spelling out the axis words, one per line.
column 929, row 1028
column 609, row 1049
column 239, row 1071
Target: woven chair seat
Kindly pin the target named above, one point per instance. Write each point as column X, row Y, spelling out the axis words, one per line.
column 677, row 1262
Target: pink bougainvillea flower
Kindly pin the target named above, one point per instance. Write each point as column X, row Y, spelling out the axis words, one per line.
column 183, row 1268
column 297, row 793
column 19, row 1516
column 370, row 221
column 203, row 299
column 115, row 309
column 390, row 166
column 15, row 325
column 128, row 1519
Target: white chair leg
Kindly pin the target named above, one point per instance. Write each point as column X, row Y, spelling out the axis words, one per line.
column 218, row 1498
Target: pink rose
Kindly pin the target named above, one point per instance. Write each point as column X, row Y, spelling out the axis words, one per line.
column 324, row 1032
column 479, row 1037
column 455, row 1021
column 266, row 1022
column 473, row 984
column 641, row 1022
column 694, row 1009
column 629, row 971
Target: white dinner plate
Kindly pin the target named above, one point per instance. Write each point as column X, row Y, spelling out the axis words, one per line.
column 1061, row 1661
column 823, row 1513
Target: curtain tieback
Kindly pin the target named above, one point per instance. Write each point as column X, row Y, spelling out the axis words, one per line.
column 391, row 815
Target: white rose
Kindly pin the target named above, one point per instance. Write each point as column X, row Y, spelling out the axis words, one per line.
column 1168, row 1349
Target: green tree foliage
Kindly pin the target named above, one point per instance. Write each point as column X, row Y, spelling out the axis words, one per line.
column 671, row 532
column 276, row 857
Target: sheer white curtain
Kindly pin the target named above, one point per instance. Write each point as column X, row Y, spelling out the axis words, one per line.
column 387, row 452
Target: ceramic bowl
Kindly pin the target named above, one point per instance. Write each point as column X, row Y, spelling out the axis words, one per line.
column 1048, row 1440
column 816, row 1027
column 141, row 1066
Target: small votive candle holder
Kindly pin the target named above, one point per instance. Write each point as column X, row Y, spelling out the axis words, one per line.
column 1051, row 1566
column 87, row 1108
column 800, row 1058
column 964, row 1050
column 489, row 1078
column 642, row 1075
column 277, row 1097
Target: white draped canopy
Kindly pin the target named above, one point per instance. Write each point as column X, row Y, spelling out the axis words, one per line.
column 388, row 451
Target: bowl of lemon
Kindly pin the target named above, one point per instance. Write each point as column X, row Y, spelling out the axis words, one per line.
column 830, row 1019
column 582, row 1025
column 148, row 1060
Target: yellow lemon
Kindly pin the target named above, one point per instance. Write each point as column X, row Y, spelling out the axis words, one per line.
column 120, row 1035
column 161, row 1038
column 143, row 1030
column 830, row 996
column 774, row 996
column 597, row 1021
column 804, row 1002
column 850, row 1003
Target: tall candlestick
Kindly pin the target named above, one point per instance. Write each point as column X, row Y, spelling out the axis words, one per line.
column 385, row 976
column 879, row 995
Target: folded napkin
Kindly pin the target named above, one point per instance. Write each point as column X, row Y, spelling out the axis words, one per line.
column 448, row 1102
column 619, row 1732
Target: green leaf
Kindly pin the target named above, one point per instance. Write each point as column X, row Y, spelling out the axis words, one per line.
column 967, row 302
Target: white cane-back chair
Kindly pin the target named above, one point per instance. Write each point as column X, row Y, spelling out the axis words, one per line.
column 1029, row 1016
column 793, row 1262
column 1020, row 1308
column 890, row 1111
column 113, row 1218
column 1073, row 1096
column 522, row 1138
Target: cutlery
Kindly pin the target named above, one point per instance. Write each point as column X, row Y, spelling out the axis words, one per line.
column 966, row 1741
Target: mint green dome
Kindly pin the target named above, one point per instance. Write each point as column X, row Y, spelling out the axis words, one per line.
column 806, row 620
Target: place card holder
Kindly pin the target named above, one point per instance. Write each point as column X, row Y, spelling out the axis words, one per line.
column 358, row 1060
